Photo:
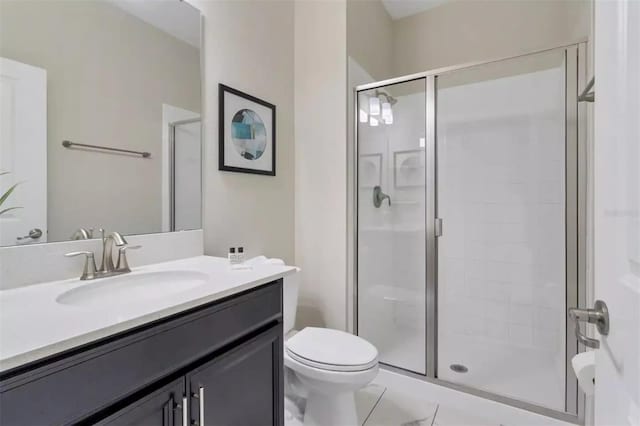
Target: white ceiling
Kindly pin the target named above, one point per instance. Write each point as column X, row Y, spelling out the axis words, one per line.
column 403, row 8
column 175, row 17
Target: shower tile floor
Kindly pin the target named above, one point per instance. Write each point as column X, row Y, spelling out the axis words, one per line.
column 397, row 400
column 495, row 368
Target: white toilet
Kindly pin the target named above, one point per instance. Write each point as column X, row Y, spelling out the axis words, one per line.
column 329, row 365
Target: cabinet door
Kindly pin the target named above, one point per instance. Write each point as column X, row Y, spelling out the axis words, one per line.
column 242, row 387
column 163, row 407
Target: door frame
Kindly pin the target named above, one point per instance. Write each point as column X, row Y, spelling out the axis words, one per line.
column 172, row 166
column 173, row 116
column 576, row 180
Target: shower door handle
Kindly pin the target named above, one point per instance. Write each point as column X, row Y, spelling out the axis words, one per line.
column 438, row 227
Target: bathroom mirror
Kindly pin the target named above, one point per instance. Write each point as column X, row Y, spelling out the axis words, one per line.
column 100, row 105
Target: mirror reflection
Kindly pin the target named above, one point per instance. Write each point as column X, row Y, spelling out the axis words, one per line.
column 100, row 107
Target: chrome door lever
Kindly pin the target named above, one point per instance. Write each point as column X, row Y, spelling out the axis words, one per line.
column 599, row 316
column 34, row 234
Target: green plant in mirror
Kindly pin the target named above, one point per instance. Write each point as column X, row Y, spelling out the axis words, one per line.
column 5, row 196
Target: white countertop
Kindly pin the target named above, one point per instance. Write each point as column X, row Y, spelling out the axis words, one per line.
column 34, row 325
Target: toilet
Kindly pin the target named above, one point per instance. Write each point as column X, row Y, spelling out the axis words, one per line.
column 325, row 366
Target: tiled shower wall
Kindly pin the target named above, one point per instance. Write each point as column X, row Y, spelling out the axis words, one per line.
column 501, row 301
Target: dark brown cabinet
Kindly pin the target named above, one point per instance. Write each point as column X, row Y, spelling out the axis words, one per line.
column 224, row 358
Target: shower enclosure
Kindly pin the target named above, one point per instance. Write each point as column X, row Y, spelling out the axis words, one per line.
column 185, row 174
column 468, row 242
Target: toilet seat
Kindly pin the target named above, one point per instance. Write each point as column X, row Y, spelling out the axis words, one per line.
column 338, row 379
column 331, row 350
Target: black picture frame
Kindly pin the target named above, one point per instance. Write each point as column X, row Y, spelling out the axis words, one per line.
column 222, row 90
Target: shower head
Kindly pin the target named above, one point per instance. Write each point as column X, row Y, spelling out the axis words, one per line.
column 387, row 96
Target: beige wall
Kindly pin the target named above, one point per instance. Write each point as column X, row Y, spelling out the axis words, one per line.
column 464, row 31
column 260, row 57
column 320, row 132
column 249, row 46
column 108, row 75
column 370, row 37
column 458, row 32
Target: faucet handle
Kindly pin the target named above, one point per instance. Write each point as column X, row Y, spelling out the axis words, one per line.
column 89, row 271
column 122, row 264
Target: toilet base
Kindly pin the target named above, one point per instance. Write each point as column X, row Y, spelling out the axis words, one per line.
column 331, row 409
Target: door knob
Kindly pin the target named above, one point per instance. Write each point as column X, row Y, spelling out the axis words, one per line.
column 34, row 234
column 599, row 316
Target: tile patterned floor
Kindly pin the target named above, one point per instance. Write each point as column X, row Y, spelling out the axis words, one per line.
column 378, row 405
column 397, row 400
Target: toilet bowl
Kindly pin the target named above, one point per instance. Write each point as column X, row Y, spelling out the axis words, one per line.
column 324, row 367
column 330, row 365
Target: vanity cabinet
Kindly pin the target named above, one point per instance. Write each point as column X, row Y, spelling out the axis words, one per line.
column 236, row 389
column 162, row 407
column 225, row 358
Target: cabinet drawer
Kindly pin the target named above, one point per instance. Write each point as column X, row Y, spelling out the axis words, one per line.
column 72, row 388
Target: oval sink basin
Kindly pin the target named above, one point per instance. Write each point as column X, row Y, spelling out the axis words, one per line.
column 132, row 287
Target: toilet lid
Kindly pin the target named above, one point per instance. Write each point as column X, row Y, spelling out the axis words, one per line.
column 331, row 350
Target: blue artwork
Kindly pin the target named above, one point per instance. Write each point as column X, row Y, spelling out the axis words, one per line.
column 249, row 134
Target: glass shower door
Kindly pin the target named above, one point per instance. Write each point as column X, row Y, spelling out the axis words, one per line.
column 391, row 250
column 501, row 187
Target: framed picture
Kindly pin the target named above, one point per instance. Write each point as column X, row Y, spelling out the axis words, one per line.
column 408, row 168
column 370, row 170
column 247, row 133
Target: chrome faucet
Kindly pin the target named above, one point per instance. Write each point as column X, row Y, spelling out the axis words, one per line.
column 379, row 197
column 82, row 234
column 107, row 268
column 113, row 239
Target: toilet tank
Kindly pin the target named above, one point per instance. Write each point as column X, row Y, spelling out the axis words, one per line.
column 290, row 287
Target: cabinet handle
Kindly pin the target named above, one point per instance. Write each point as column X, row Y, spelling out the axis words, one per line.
column 185, row 412
column 200, row 397
column 201, row 404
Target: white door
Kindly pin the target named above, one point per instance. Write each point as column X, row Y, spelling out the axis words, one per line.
column 617, row 209
column 23, row 152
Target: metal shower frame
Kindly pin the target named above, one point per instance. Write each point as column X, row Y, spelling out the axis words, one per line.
column 172, row 166
column 575, row 222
